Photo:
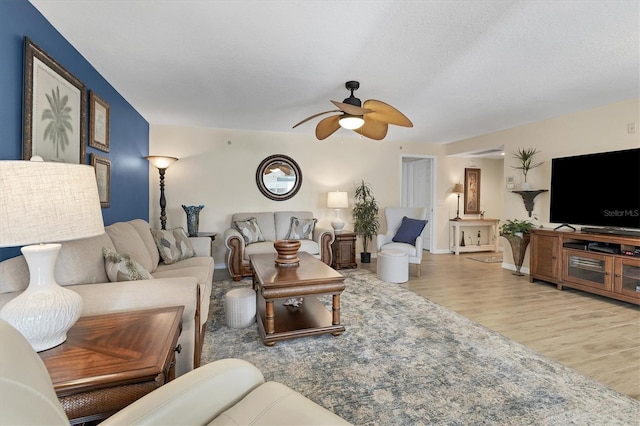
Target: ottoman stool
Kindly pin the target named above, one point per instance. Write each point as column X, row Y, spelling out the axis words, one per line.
column 240, row 307
column 393, row 266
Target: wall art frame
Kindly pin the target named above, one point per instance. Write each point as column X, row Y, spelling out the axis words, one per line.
column 54, row 112
column 99, row 122
column 471, row 191
column 102, row 168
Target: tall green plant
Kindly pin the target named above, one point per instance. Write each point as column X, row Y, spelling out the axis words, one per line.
column 525, row 156
column 365, row 214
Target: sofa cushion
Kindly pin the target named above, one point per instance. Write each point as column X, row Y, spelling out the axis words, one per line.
column 173, row 245
column 409, row 231
column 301, row 229
column 283, row 222
column 144, row 230
column 200, row 267
column 265, row 222
column 120, row 267
column 127, row 240
column 250, row 230
column 81, row 261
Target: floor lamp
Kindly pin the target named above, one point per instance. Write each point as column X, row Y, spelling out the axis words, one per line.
column 41, row 204
column 458, row 189
column 162, row 164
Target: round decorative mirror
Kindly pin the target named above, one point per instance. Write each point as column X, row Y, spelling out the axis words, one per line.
column 278, row 177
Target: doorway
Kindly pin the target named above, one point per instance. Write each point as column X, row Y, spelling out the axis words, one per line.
column 418, row 189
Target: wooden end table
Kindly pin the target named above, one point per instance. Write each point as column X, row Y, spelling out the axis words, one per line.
column 344, row 250
column 275, row 284
column 109, row 361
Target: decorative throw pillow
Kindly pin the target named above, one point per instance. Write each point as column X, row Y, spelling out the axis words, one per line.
column 409, row 231
column 301, row 229
column 120, row 267
column 250, row 230
column 173, row 245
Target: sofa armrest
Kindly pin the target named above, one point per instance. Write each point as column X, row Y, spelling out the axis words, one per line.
column 234, row 242
column 202, row 246
column 195, row 398
column 148, row 294
column 324, row 237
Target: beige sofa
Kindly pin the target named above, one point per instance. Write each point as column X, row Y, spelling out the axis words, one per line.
column 229, row 391
column 80, row 267
column 274, row 226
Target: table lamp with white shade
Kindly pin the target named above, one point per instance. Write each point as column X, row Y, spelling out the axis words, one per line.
column 41, row 204
column 337, row 200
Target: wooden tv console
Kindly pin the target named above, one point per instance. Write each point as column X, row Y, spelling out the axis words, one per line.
column 565, row 259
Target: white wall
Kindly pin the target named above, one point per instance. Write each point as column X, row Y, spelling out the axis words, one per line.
column 217, row 168
column 595, row 130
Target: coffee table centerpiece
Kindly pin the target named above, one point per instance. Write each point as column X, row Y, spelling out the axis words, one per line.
column 287, row 252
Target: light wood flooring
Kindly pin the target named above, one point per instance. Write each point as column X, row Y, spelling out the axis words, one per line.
column 596, row 336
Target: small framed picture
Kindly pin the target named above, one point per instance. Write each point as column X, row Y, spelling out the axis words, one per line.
column 102, row 167
column 98, row 122
column 471, row 191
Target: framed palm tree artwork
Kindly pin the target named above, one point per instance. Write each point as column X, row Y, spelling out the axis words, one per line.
column 54, row 112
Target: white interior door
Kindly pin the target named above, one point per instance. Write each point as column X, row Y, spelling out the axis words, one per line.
column 418, row 189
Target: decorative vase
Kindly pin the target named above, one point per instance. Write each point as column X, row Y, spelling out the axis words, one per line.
column 518, row 248
column 287, row 252
column 193, row 219
column 462, row 240
column 525, row 186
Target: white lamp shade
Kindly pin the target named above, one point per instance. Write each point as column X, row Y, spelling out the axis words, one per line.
column 160, row 161
column 337, row 200
column 42, row 202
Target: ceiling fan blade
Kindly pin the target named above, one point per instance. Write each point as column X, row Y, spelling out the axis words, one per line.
column 385, row 112
column 372, row 128
column 327, row 126
column 314, row 116
column 351, row 109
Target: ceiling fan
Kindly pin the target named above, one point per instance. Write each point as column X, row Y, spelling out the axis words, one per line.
column 370, row 119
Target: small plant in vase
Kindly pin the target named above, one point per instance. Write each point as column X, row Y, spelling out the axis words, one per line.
column 525, row 157
column 517, row 232
column 365, row 216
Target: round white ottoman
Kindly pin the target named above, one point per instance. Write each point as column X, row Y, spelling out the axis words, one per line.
column 393, row 266
column 240, row 307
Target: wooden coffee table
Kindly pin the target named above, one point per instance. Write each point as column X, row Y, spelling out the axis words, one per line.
column 109, row 361
column 275, row 284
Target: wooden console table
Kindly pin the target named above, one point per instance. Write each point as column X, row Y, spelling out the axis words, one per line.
column 109, row 361
column 488, row 239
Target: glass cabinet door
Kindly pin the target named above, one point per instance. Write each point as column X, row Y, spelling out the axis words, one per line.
column 589, row 269
column 627, row 277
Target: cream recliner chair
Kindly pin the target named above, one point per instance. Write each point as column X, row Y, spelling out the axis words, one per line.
column 393, row 218
column 229, row 391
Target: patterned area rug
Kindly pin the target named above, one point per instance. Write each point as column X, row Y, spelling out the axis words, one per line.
column 487, row 259
column 404, row 360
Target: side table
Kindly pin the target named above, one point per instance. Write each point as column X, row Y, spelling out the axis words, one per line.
column 344, row 250
column 109, row 361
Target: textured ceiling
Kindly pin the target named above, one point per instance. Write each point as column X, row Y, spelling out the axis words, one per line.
column 455, row 68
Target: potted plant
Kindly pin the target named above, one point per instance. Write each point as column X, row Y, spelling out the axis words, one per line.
column 517, row 232
column 525, row 157
column 365, row 216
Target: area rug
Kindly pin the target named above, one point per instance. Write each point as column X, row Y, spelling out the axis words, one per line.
column 487, row 259
column 404, row 360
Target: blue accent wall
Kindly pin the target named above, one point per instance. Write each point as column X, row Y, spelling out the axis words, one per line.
column 129, row 131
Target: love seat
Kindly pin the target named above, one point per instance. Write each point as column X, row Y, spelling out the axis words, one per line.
column 80, row 266
column 272, row 226
column 229, row 391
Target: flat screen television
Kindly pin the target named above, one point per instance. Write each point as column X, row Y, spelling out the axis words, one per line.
column 599, row 190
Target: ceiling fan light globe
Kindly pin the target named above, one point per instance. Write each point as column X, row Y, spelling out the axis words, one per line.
column 351, row 122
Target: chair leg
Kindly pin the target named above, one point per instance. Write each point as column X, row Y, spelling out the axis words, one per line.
column 418, row 270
